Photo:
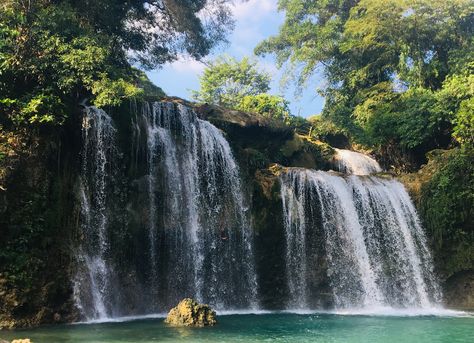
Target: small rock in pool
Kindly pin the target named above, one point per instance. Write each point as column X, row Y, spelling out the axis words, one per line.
column 25, row 340
column 190, row 313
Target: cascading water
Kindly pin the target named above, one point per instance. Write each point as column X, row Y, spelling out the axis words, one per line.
column 173, row 223
column 353, row 162
column 205, row 246
column 374, row 248
column 92, row 283
column 189, row 216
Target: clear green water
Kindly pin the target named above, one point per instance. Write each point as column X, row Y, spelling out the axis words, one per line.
column 267, row 328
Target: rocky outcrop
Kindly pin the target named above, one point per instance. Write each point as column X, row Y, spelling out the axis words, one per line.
column 190, row 313
column 36, row 221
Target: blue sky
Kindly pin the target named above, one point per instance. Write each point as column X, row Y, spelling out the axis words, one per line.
column 255, row 21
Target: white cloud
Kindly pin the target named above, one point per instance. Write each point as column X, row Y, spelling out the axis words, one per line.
column 186, row 65
column 253, row 9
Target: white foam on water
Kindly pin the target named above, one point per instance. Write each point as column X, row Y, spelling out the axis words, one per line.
column 122, row 319
column 373, row 312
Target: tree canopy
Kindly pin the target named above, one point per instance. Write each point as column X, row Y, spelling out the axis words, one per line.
column 226, row 81
column 243, row 86
column 398, row 71
column 53, row 54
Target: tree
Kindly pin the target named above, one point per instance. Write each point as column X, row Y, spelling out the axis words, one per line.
column 272, row 106
column 372, row 52
column 53, row 54
column 310, row 37
column 227, row 81
column 456, row 101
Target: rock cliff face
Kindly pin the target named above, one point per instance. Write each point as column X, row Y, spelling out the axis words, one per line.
column 39, row 211
column 37, row 226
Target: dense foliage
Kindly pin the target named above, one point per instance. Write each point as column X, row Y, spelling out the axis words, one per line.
column 54, row 54
column 447, row 204
column 399, row 72
column 226, row 81
column 241, row 85
column 268, row 105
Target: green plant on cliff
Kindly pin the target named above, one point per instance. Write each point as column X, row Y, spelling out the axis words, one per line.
column 456, row 101
column 268, row 105
column 325, row 130
column 447, row 205
column 241, row 85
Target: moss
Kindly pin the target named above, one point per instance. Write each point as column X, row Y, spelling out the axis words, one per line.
column 304, row 151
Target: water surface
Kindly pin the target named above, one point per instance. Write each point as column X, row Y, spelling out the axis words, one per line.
column 280, row 327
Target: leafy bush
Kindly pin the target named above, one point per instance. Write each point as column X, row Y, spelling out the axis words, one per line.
column 396, row 71
column 447, row 206
column 326, row 130
column 226, row 81
column 268, row 105
column 464, row 123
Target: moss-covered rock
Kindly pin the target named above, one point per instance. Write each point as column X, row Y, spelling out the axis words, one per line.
column 307, row 152
column 36, row 221
column 459, row 290
column 190, row 313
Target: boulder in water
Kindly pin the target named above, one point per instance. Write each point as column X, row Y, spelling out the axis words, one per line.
column 190, row 313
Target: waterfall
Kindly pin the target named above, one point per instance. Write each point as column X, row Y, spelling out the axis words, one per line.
column 207, row 251
column 187, row 211
column 352, row 162
column 92, row 282
column 165, row 218
column 373, row 246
